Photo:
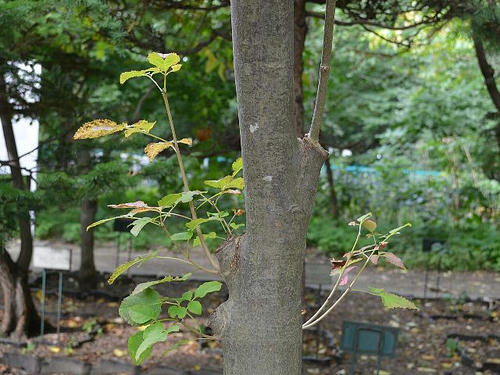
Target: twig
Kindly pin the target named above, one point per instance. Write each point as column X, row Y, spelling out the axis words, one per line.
column 324, row 70
column 185, row 181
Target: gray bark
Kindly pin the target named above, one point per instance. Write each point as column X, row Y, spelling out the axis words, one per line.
column 260, row 324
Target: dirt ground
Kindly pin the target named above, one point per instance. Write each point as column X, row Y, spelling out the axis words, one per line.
column 473, row 328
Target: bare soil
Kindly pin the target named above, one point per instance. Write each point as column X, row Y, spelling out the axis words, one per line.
column 421, row 347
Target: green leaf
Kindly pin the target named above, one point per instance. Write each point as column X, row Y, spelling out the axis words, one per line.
column 137, row 261
column 364, row 217
column 194, row 223
column 181, row 236
column 187, row 296
column 138, row 224
column 134, row 342
column 187, row 196
column 170, row 200
column 237, row 166
column 392, row 301
column 142, row 307
column 237, row 183
column 153, row 334
column 236, row 226
column 163, row 61
column 167, row 279
column 197, row 242
column 125, row 76
column 195, row 307
column 208, row 287
column 141, row 126
column 177, row 311
column 220, row 183
column 105, row 221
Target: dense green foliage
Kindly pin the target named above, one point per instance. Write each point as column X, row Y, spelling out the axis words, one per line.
column 392, row 110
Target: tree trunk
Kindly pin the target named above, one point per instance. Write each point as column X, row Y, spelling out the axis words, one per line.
column 88, row 275
column 489, row 79
column 20, row 316
column 88, row 210
column 331, row 187
column 260, row 324
column 17, row 179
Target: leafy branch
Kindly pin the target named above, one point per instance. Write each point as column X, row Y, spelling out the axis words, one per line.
column 365, row 254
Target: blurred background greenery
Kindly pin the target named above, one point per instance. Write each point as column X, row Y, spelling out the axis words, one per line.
column 411, row 127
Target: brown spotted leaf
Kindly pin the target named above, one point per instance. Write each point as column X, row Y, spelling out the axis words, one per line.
column 153, row 149
column 98, row 128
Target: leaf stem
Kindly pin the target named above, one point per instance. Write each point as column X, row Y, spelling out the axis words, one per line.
column 194, row 216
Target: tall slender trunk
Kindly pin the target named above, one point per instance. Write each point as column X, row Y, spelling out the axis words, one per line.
column 260, row 324
column 88, row 210
column 489, row 79
column 331, row 187
column 88, row 275
column 20, row 316
column 17, row 179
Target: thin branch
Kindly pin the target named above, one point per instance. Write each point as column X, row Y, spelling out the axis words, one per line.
column 324, row 70
column 185, row 181
column 359, row 21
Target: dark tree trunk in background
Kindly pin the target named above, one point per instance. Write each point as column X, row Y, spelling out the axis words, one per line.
column 300, row 32
column 489, row 79
column 24, row 259
column 88, row 275
column 20, row 316
column 88, row 210
column 331, row 190
column 261, row 325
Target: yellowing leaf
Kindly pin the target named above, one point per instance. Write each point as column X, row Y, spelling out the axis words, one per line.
column 163, row 61
column 98, row 128
column 125, row 76
column 141, row 126
column 153, row 149
column 186, row 141
column 119, row 352
column 370, row 225
column 175, row 68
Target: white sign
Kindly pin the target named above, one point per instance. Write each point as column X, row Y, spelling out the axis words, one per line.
column 51, row 259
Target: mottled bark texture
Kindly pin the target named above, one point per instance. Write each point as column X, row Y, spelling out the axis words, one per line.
column 20, row 317
column 260, row 324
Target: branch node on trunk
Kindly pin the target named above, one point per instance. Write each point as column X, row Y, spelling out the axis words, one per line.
column 228, row 256
column 219, row 320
